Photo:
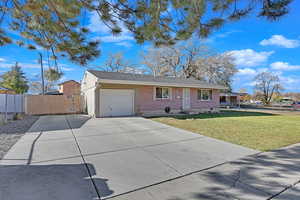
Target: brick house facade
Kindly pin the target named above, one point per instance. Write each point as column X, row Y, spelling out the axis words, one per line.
column 69, row 88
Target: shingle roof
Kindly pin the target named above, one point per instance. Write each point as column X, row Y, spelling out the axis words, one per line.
column 149, row 78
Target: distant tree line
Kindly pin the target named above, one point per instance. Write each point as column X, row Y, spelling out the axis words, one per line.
column 186, row 60
column 16, row 80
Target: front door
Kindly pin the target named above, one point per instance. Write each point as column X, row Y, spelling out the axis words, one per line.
column 186, row 99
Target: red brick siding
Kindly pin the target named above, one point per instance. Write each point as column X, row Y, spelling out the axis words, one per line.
column 70, row 88
column 145, row 100
column 195, row 103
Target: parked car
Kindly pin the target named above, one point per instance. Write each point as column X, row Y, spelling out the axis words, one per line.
column 296, row 105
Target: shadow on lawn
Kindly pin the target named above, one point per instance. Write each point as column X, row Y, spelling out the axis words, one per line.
column 260, row 176
column 222, row 114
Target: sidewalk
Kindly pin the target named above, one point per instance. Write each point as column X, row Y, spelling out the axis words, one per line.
column 270, row 175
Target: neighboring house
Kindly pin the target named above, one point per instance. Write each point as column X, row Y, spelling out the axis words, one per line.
column 69, row 88
column 232, row 99
column 122, row 94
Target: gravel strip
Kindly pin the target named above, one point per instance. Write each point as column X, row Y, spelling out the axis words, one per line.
column 11, row 132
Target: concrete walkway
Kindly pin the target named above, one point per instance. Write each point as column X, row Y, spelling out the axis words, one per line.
column 74, row 157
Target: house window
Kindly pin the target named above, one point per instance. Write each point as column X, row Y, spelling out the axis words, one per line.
column 205, row 95
column 162, row 93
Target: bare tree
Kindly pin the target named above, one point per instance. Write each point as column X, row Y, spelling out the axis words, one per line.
column 116, row 63
column 171, row 59
column 177, row 60
column 193, row 51
column 190, row 60
column 267, row 84
column 216, row 69
column 152, row 59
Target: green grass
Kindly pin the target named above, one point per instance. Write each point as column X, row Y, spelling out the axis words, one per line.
column 261, row 131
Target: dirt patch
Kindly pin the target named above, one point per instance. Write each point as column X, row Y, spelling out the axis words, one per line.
column 11, row 132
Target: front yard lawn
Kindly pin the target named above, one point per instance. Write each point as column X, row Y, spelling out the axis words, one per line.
column 261, row 131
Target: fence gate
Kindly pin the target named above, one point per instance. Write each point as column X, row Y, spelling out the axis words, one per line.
column 53, row 104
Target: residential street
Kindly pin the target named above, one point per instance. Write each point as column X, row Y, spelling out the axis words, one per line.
column 75, row 157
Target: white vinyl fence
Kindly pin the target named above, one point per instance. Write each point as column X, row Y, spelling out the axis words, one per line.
column 11, row 103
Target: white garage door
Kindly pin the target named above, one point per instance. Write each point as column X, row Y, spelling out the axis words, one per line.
column 115, row 102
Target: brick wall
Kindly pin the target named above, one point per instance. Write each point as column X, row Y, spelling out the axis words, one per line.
column 70, row 88
column 145, row 101
column 198, row 104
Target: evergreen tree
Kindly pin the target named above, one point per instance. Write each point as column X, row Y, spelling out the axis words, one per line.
column 15, row 79
column 57, row 25
column 53, row 75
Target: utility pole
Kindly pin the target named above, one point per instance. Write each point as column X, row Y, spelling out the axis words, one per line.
column 42, row 73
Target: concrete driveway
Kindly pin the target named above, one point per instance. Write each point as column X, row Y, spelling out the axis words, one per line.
column 74, row 157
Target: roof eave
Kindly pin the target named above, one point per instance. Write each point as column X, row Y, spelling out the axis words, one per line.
column 166, row 84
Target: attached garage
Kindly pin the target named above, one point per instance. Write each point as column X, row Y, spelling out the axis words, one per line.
column 116, row 102
column 109, row 94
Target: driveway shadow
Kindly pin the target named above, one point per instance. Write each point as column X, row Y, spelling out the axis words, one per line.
column 48, row 182
column 260, row 176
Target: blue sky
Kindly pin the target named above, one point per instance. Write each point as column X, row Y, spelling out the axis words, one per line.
column 256, row 44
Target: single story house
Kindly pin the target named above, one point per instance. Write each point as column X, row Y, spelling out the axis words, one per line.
column 123, row 94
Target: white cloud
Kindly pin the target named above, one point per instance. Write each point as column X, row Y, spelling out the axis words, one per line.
column 119, row 38
column 249, row 57
column 104, row 33
column 124, row 44
column 213, row 38
column 246, row 72
column 280, row 40
column 290, row 82
column 2, row 60
column 23, row 65
column 284, row 66
column 34, row 65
